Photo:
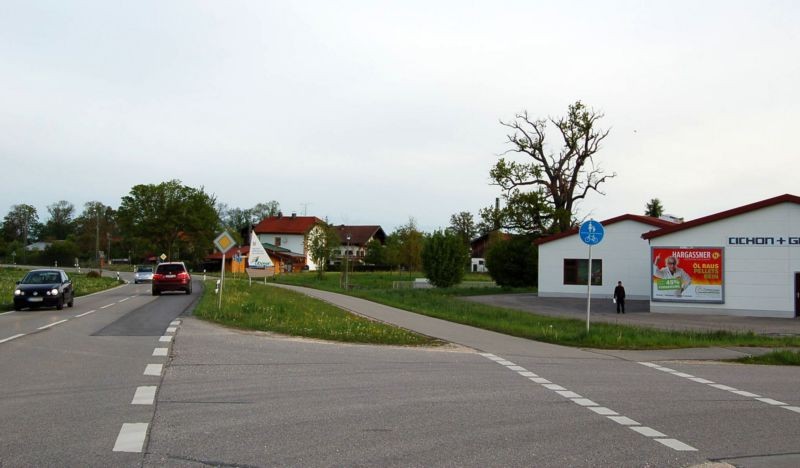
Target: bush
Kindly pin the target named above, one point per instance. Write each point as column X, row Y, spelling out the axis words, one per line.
column 443, row 258
column 513, row 262
column 93, row 274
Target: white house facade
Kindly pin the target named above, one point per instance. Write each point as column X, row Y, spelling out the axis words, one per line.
column 744, row 261
column 621, row 256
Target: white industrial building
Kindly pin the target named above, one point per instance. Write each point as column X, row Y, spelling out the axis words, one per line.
column 621, row 256
column 743, row 261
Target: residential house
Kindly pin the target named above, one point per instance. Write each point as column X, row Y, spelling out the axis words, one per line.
column 354, row 240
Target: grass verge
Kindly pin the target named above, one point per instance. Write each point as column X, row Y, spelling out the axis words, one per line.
column 774, row 358
column 267, row 308
column 83, row 285
column 444, row 304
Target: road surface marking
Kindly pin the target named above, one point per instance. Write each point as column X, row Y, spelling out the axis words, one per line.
column 131, row 437
column 552, row 386
column 9, row 312
column 175, row 322
column 123, row 300
column 160, row 351
column 85, row 313
column 676, row 445
column 770, row 401
column 584, row 402
column 699, row 380
column 144, row 395
column 171, row 329
column 153, row 369
column 528, row 374
column 647, row 431
column 624, row 420
column 52, row 324
column 165, row 339
column 11, row 338
column 601, row 410
column 107, row 306
column 726, row 388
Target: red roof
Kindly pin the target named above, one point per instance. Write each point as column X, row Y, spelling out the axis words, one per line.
column 660, row 223
column 287, row 224
column 360, row 235
column 786, row 198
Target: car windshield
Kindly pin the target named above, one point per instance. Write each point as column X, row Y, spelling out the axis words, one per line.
column 144, row 269
column 42, row 277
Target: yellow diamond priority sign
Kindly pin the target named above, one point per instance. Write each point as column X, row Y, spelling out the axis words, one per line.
column 224, row 242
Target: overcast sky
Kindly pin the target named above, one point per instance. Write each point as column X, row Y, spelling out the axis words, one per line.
column 371, row 112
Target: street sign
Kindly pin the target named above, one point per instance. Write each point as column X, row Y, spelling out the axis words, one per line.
column 224, row 242
column 163, row 257
column 591, row 232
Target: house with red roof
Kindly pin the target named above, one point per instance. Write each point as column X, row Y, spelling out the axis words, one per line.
column 621, row 256
column 354, row 240
column 287, row 237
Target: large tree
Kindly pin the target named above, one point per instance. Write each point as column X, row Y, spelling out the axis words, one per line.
column 61, row 223
column 93, row 227
column 404, row 246
column 560, row 179
column 463, row 225
column 322, row 240
column 21, row 223
column 169, row 216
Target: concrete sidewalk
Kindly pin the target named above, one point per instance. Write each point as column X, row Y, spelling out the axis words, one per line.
column 498, row 343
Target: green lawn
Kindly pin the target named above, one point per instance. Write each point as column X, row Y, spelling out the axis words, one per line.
column 83, row 285
column 775, row 358
column 267, row 308
column 445, row 304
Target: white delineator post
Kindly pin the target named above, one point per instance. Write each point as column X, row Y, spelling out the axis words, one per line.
column 222, row 281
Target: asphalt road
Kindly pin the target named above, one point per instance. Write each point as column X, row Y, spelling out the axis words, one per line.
column 233, row 398
column 69, row 377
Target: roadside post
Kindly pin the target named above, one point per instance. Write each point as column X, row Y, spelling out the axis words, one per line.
column 224, row 242
column 591, row 233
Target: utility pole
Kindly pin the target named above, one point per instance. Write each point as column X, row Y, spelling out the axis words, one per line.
column 97, row 234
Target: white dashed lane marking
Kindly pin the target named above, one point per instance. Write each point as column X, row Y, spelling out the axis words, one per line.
column 171, row 330
column 85, row 313
column 161, row 352
column 123, row 300
column 4, row 340
column 153, row 369
column 144, row 395
column 165, row 339
column 107, row 306
column 131, row 437
column 596, row 408
column 51, row 324
column 726, row 388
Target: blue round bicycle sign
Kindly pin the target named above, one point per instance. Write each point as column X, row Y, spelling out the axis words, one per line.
column 591, row 232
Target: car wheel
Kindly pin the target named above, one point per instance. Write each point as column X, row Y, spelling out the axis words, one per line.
column 189, row 291
column 135, row 282
column 156, row 292
column 16, row 307
column 71, row 302
column 60, row 303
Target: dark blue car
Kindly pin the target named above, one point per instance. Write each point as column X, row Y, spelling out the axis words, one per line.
column 44, row 288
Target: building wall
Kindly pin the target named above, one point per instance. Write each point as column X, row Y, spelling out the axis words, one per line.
column 625, row 258
column 757, row 280
column 294, row 242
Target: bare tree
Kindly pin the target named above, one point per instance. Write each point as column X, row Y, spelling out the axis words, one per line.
column 563, row 178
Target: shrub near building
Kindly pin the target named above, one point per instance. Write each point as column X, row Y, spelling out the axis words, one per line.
column 513, row 262
column 444, row 257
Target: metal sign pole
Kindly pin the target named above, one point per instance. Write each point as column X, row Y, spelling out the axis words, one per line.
column 589, row 290
column 222, row 281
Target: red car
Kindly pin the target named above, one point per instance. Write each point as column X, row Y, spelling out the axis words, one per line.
column 172, row 276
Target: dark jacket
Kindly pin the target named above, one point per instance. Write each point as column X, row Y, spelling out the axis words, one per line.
column 619, row 292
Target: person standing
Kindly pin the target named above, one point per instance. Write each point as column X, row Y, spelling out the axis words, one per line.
column 619, row 297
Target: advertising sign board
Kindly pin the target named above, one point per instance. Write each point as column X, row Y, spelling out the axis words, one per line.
column 687, row 274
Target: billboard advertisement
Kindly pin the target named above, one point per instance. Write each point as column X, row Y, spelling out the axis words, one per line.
column 687, row 274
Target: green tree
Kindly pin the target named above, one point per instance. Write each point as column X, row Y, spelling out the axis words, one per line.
column 513, row 262
column 264, row 210
column 443, row 258
column 376, row 253
column 92, row 229
column 21, row 223
column 408, row 242
column 654, row 208
column 463, row 225
column 527, row 213
column 170, row 216
column 560, row 179
column 61, row 251
column 322, row 241
column 61, row 223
